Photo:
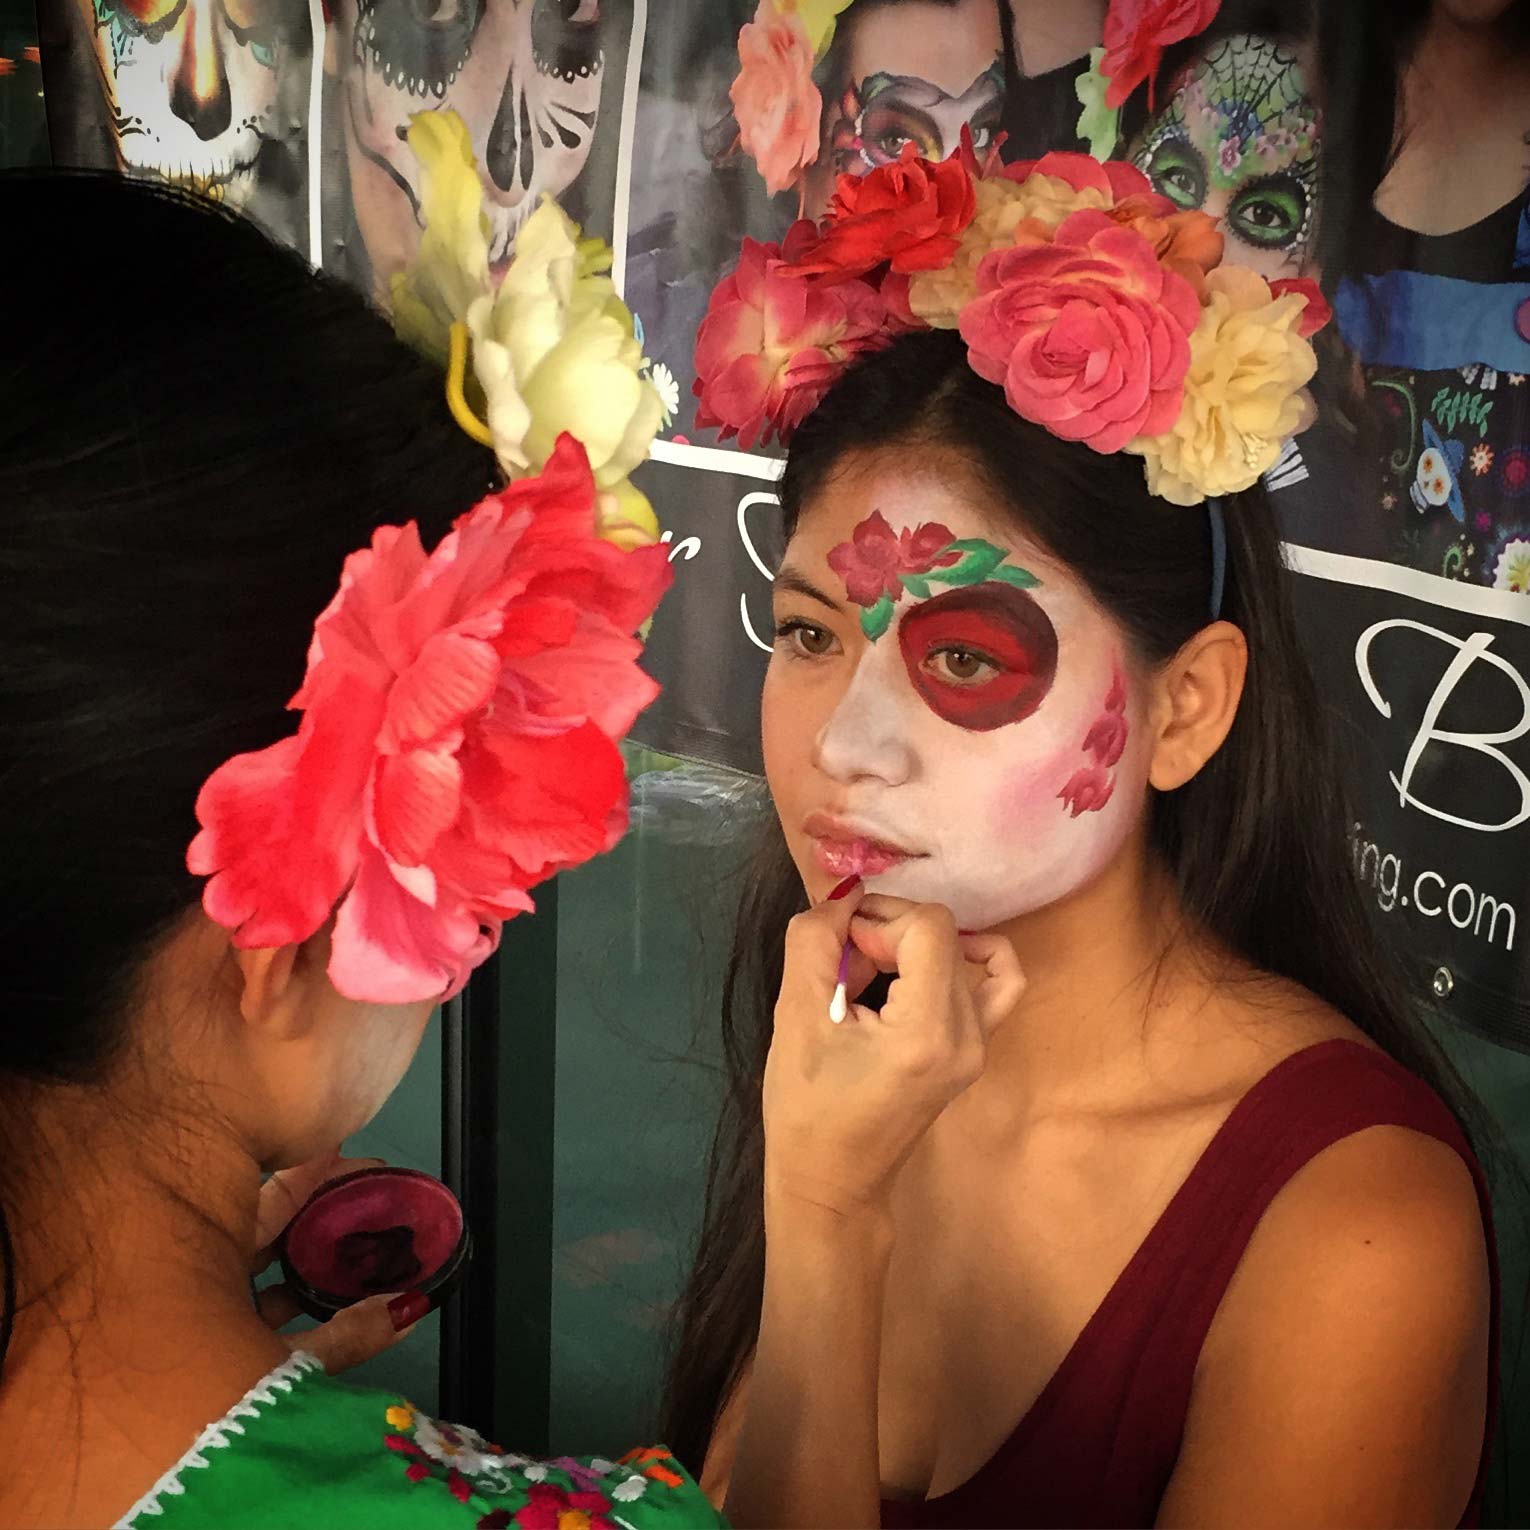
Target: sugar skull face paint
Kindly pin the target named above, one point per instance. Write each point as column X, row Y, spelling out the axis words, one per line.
column 525, row 75
column 197, row 90
column 1239, row 139
column 947, row 711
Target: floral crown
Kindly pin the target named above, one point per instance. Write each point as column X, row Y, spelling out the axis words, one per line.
column 461, row 709
column 1105, row 312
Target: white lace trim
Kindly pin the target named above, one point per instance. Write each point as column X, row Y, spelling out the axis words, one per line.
column 219, row 1435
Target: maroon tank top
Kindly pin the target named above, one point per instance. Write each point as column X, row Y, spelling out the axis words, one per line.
column 1099, row 1444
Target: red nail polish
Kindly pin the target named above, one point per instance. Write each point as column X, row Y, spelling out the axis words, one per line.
column 408, row 1309
column 845, row 888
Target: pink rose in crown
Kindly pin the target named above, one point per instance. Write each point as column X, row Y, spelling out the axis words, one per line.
column 876, row 557
column 1088, row 790
column 1088, row 334
column 771, row 344
column 778, row 107
column 457, row 746
column 1137, row 32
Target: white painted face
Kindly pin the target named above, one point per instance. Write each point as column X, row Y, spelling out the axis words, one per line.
column 947, row 711
column 195, row 88
column 525, row 76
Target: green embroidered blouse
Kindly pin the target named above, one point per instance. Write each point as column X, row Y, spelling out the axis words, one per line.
column 302, row 1450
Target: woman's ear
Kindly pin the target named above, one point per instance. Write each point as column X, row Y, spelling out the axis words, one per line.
column 1194, row 700
column 266, row 995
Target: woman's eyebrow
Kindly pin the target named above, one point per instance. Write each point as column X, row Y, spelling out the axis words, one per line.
column 788, row 578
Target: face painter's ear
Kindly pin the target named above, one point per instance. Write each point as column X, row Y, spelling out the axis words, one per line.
column 1195, row 698
column 267, row 983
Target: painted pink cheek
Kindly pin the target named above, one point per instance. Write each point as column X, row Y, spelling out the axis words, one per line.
column 995, row 620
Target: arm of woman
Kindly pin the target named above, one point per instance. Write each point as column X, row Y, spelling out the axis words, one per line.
column 844, row 1105
column 1344, row 1379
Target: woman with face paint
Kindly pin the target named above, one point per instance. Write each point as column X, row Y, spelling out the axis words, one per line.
column 1126, row 1191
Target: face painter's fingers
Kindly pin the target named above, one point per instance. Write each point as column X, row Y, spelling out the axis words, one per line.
column 276, row 1305
column 815, row 940
column 284, row 1193
column 920, row 945
column 354, row 1335
column 996, row 980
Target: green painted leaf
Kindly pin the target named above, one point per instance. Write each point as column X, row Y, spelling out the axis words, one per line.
column 917, row 584
column 974, row 567
column 1021, row 578
column 875, row 620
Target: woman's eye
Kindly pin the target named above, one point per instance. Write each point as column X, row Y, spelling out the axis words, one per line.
column 1269, row 215
column 804, row 638
column 1177, row 172
column 960, row 666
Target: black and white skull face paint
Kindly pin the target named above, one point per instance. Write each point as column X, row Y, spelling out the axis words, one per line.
column 196, row 89
column 525, row 76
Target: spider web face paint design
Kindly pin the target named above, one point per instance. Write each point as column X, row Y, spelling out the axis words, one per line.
column 1240, row 139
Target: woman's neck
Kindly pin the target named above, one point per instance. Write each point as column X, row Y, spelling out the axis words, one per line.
column 1117, row 986
column 133, row 1247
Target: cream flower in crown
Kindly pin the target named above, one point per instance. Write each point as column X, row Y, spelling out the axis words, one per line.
column 552, row 349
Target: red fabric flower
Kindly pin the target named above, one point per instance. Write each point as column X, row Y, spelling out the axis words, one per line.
column 872, row 562
column 1088, row 334
column 1088, row 790
column 554, row 1508
column 910, row 212
column 771, row 344
column 457, row 743
column 1317, row 312
column 1137, row 32
column 1114, row 179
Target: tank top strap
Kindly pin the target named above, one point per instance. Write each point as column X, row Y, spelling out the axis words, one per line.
column 1161, row 1310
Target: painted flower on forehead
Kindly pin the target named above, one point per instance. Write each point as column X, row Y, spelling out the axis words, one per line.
column 457, row 745
column 1089, row 334
column 909, row 213
column 770, row 344
column 879, row 565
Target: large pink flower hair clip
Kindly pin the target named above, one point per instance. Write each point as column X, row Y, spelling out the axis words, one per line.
column 457, row 742
column 1105, row 312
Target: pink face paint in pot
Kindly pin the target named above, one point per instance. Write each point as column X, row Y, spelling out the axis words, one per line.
column 373, row 1231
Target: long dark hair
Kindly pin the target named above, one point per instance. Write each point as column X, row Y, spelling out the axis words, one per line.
column 195, row 430
column 1256, row 843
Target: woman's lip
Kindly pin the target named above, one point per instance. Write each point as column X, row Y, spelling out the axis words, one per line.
column 844, row 849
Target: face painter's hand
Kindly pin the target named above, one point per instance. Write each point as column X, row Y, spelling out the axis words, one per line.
column 845, row 1105
column 359, row 1332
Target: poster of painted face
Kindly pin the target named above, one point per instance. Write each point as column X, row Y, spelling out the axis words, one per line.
column 211, row 95
column 538, row 83
column 23, row 123
column 743, row 129
column 1239, row 137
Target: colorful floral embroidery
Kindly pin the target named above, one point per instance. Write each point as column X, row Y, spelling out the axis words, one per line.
column 1482, row 458
column 1511, row 571
column 878, row 564
column 555, row 1508
column 651, row 1463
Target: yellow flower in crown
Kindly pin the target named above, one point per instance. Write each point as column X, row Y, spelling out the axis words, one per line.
column 1243, row 393
column 551, row 350
column 819, row 19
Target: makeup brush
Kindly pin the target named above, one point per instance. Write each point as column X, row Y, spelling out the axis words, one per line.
column 839, row 1005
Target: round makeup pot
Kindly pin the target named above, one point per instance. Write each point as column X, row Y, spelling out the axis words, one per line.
column 374, row 1231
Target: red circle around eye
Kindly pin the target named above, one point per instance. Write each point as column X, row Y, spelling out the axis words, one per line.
column 996, row 620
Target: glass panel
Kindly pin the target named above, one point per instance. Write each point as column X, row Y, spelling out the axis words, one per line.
column 642, row 942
